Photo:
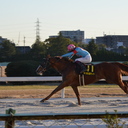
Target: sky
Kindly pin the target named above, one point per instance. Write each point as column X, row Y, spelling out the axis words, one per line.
column 95, row 17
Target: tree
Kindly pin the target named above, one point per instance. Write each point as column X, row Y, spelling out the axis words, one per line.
column 39, row 50
column 58, row 46
column 7, row 50
column 22, row 68
column 92, row 47
column 101, row 46
column 126, row 51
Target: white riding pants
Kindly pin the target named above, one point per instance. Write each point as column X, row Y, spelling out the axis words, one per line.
column 86, row 59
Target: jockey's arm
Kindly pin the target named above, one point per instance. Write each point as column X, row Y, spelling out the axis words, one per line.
column 70, row 54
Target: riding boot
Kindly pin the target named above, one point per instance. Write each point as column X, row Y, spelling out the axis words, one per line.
column 82, row 66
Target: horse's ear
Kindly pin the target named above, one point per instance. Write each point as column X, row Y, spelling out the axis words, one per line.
column 48, row 56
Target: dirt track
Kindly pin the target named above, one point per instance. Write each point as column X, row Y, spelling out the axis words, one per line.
column 84, row 92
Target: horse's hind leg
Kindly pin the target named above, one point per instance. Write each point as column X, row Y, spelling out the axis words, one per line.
column 123, row 86
column 125, row 83
column 116, row 78
column 126, row 86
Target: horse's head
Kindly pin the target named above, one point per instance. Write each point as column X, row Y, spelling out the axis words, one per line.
column 55, row 62
column 42, row 67
column 45, row 64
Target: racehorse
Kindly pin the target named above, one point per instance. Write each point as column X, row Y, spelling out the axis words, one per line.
column 111, row 72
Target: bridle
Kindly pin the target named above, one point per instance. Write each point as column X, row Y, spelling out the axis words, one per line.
column 43, row 67
column 46, row 65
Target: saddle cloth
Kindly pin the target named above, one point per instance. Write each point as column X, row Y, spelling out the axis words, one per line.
column 90, row 69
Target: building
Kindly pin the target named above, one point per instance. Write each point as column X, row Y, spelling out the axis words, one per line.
column 87, row 40
column 53, row 36
column 23, row 49
column 76, row 36
column 113, row 41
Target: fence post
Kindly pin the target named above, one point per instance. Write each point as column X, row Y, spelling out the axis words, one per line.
column 10, row 122
column 63, row 93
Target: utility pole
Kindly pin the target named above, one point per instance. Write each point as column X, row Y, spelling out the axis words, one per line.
column 18, row 39
column 37, row 31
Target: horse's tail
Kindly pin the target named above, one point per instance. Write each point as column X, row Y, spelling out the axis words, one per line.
column 123, row 67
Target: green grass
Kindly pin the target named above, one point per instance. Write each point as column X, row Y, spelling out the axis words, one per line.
column 18, row 87
column 101, row 86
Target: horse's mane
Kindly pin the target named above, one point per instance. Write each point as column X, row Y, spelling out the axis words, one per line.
column 65, row 59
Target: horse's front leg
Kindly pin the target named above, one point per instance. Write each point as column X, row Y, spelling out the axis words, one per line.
column 75, row 89
column 61, row 86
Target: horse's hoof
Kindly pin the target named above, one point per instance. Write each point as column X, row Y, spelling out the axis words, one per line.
column 42, row 101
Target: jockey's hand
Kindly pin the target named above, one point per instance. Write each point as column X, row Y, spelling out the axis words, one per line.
column 61, row 57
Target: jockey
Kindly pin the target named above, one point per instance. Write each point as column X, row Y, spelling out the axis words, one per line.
column 84, row 56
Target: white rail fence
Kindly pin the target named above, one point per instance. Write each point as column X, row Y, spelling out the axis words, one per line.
column 54, row 78
column 49, row 78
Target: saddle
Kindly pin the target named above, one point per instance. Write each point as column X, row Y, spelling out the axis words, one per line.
column 85, row 69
